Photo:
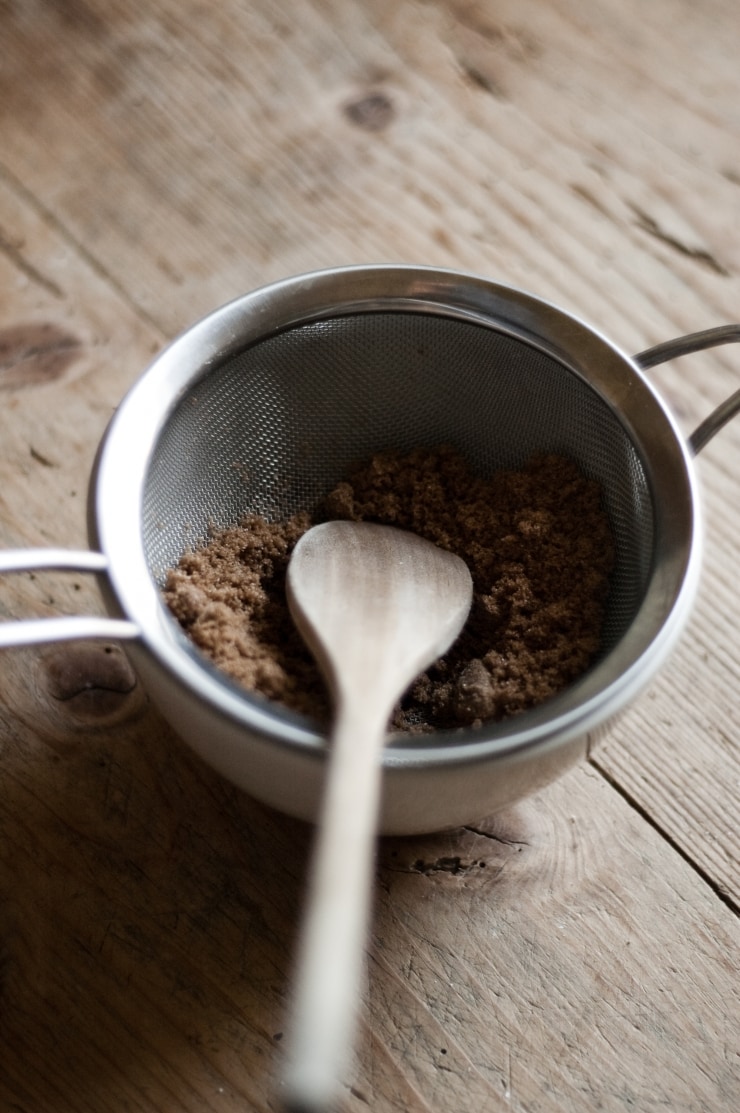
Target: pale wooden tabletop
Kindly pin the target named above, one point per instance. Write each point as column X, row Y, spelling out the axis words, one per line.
column 579, row 952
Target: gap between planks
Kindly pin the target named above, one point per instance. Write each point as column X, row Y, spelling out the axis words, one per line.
column 644, row 814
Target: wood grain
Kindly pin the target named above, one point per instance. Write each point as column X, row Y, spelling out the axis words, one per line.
column 157, row 159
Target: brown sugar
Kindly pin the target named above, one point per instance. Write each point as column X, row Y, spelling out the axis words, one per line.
column 539, row 547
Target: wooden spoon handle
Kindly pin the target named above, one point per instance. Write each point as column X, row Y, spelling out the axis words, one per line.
column 332, row 946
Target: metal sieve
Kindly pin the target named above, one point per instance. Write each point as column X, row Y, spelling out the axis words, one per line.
column 266, row 404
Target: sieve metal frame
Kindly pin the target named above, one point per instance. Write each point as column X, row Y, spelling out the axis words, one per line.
column 119, row 475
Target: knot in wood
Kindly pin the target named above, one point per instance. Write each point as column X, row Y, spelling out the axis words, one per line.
column 35, row 353
column 93, row 679
column 372, row 111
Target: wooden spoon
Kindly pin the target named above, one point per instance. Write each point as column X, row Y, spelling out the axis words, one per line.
column 376, row 605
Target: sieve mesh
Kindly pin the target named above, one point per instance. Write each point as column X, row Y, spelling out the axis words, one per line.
column 272, row 429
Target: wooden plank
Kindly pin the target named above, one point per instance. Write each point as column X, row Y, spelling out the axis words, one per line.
column 563, row 956
column 69, row 349
column 244, row 177
column 158, row 159
column 558, row 950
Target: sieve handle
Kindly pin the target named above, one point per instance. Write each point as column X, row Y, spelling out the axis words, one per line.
column 38, row 631
column 697, row 342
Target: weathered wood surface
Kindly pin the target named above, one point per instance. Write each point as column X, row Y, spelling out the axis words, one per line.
column 579, row 952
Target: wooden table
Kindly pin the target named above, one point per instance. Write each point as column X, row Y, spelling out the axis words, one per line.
column 578, row 952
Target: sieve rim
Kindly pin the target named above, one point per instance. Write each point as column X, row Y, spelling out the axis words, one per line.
column 119, row 476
